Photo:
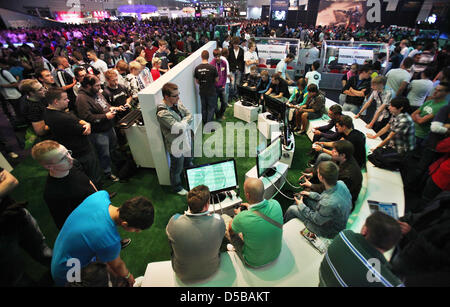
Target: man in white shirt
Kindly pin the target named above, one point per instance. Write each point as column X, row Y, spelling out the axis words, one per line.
column 282, row 67
column 314, row 77
column 311, row 56
column 420, row 89
column 404, row 48
column 98, row 64
column 250, row 57
column 226, row 42
column 399, row 78
column 10, row 95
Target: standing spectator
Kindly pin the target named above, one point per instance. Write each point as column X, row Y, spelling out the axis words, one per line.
column 145, row 75
column 398, row 79
column 93, row 108
column 65, row 80
column 206, row 76
column 324, row 214
column 196, row 256
column 356, row 89
column 66, row 186
column 282, row 68
column 97, row 64
column 156, row 64
column 10, row 95
column 250, row 58
column 117, row 57
column 90, row 232
column 163, row 53
column 46, row 78
column 346, row 263
column 150, row 50
column 312, row 56
column 237, row 63
column 71, row 132
column 314, row 77
column 221, row 68
column 174, row 120
column 425, row 60
column 420, row 89
column 33, row 105
column 79, row 73
column 133, row 82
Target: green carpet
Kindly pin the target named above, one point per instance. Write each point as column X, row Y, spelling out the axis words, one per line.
column 150, row 245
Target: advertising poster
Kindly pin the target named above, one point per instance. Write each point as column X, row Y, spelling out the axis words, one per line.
column 279, row 10
column 271, row 51
column 342, row 13
column 349, row 56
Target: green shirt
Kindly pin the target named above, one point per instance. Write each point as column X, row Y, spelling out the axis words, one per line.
column 429, row 107
column 351, row 261
column 262, row 240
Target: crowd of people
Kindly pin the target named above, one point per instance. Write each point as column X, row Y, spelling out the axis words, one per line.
column 71, row 86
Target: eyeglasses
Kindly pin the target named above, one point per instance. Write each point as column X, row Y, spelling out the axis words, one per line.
column 177, row 95
column 66, row 156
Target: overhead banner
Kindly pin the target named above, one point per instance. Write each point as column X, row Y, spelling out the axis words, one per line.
column 278, row 10
column 351, row 56
column 341, row 13
column 271, row 51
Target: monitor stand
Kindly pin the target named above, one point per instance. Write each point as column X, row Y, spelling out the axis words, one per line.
column 270, row 172
column 216, row 198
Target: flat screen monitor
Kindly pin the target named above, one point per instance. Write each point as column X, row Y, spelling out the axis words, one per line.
column 278, row 15
column 218, row 176
column 275, row 106
column 266, row 158
column 247, row 94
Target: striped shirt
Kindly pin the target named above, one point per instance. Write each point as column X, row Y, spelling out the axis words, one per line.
column 351, row 261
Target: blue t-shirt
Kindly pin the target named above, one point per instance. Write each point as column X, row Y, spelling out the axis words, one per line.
column 88, row 232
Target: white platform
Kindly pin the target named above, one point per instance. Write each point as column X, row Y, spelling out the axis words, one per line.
column 296, row 266
column 226, row 205
column 277, row 179
column 138, row 140
column 268, row 127
column 247, row 114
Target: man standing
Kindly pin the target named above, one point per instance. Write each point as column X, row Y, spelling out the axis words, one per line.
column 70, row 131
column 97, row 64
column 256, row 233
column 163, row 53
column 91, row 232
column 311, row 56
column 221, row 68
column 236, row 61
column 324, row 214
column 195, row 238
column 33, row 107
column 282, row 68
column 65, row 80
column 93, row 108
column 206, row 76
column 174, row 120
column 398, row 78
column 46, row 78
column 350, row 258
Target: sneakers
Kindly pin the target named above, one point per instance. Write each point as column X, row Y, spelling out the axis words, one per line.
column 230, row 248
column 125, row 242
column 182, row 192
column 112, row 177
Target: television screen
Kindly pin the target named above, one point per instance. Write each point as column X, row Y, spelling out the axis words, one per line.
column 268, row 157
column 275, row 106
column 218, row 176
column 279, row 15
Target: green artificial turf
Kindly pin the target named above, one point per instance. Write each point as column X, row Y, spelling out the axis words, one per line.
column 150, row 245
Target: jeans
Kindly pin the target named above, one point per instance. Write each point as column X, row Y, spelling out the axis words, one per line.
column 221, row 94
column 237, row 76
column 106, row 145
column 351, row 107
column 307, row 68
column 176, row 168
column 209, row 106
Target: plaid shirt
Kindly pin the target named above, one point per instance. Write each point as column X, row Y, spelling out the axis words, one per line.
column 404, row 139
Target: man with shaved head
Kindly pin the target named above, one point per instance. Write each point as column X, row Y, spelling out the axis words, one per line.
column 256, row 232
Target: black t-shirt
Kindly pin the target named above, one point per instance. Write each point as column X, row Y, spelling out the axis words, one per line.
column 63, row 195
column 63, row 78
column 116, row 97
column 206, row 75
column 359, row 85
column 164, row 59
column 358, row 139
column 66, row 130
column 33, row 111
column 281, row 87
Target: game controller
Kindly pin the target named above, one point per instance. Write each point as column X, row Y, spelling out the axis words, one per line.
column 229, row 194
column 243, row 207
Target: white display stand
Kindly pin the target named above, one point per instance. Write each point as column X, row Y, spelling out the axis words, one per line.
column 227, row 205
column 268, row 127
column 137, row 139
column 247, row 114
column 277, row 179
column 183, row 76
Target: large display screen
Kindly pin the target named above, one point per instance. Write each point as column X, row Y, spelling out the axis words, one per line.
column 342, row 13
column 218, row 177
column 278, row 15
column 268, row 157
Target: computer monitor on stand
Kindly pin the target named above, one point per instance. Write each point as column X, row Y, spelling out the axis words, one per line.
column 278, row 111
column 220, row 177
column 266, row 158
column 249, row 97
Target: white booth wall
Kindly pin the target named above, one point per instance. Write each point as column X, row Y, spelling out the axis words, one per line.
column 183, row 76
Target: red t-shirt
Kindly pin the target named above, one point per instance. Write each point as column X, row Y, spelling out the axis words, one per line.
column 155, row 74
column 149, row 53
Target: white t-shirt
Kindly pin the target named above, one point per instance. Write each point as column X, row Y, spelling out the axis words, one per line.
column 11, row 92
column 281, row 68
column 228, row 68
column 419, row 91
column 249, row 56
column 101, row 66
column 395, row 77
column 313, row 77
